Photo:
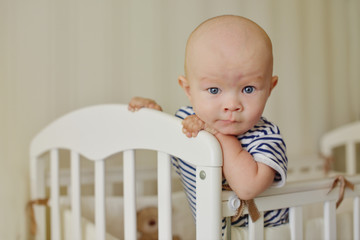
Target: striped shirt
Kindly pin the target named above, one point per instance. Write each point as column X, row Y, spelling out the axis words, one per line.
column 264, row 142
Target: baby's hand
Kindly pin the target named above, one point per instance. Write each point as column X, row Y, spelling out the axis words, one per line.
column 137, row 103
column 192, row 125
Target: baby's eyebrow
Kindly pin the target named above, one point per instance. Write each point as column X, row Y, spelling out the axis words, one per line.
column 252, row 80
column 210, row 80
column 210, row 84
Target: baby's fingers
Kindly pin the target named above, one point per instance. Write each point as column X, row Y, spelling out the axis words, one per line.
column 136, row 103
column 190, row 134
column 133, row 108
column 154, row 106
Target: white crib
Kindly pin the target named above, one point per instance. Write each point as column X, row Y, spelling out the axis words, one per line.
column 99, row 132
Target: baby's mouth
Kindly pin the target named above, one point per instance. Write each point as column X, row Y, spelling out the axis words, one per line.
column 227, row 122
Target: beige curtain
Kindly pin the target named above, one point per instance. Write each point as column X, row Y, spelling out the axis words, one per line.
column 60, row 55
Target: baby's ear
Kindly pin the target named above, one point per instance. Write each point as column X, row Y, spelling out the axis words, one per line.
column 274, row 81
column 184, row 83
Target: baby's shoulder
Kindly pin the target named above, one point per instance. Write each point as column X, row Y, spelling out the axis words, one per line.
column 268, row 126
column 263, row 128
column 185, row 111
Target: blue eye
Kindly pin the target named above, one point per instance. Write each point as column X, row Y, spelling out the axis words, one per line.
column 248, row 89
column 214, row 90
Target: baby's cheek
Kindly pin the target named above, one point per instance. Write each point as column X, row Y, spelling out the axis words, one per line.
column 202, row 116
column 204, row 112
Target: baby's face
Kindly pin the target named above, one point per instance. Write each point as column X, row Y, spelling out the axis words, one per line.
column 229, row 84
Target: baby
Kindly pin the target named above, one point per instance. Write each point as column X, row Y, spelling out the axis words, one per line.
column 228, row 79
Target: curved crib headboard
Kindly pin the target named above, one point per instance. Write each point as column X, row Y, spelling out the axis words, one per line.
column 100, row 131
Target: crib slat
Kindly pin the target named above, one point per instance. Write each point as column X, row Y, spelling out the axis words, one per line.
column 296, row 222
column 129, row 195
column 76, row 195
column 330, row 220
column 256, row 229
column 55, row 195
column 356, row 219
column 164, row 196
column 100, row 199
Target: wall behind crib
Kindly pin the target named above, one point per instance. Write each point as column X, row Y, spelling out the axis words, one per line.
column 60, row 55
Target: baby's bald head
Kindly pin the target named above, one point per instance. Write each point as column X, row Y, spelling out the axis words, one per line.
column 239, row 32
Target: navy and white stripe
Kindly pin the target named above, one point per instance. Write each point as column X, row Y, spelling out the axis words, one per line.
column 264, row 142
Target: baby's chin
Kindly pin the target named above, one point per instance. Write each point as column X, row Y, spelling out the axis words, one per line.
column 234, row 132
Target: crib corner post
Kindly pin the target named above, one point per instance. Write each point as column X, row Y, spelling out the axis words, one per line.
column 208, row 192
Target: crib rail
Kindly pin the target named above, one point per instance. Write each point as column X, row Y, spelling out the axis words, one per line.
column 296, row 196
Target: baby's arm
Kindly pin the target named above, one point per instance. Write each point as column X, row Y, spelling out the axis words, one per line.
column 245, row 176
column 192, row 125
column 137, row 103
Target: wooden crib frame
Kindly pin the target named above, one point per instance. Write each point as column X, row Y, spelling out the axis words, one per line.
column 100, row 131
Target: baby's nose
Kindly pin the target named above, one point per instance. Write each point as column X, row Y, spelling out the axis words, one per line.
column 233, row 107
column 237, row 109
column 232, row 103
